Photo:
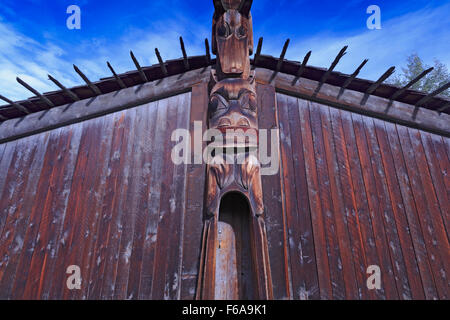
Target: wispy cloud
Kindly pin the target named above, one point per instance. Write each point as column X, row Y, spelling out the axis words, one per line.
column 424, row 32
column 32, row 61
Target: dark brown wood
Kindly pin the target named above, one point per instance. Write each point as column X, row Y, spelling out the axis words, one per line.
column 274, row 214
column 399, row 92
column 382, row 78
column 428, row 97
column 282, row 55
column 331, row 68
column 185, row 57
column 352, row 77
column 328, row 214
column 298, row 216
column 317, row 216
column 35, row 92
column 345, row 264
column 15, row 105
column 351, row 101
column 207, row 51
column 435, row 238
column 70, row 93
column 138, row 67
column 195, row 188
column 301, row 69
column 118, row 79
column 161, row 62
column 258, row 50
column 350, row 207
column 107, row 103
column 91, row 85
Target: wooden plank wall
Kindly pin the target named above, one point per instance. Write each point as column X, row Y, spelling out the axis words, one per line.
column 358, row 192
column 101, row 194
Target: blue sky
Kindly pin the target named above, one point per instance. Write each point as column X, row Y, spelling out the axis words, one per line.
column 35, row 41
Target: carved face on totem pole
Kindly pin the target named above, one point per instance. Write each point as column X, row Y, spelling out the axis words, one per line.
column 233, row 106
column 232, row 38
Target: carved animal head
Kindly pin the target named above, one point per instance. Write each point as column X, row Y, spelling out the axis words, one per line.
column 233, row 105
column 232, row 37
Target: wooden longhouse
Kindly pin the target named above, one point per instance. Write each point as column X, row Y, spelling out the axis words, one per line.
column 86, row 179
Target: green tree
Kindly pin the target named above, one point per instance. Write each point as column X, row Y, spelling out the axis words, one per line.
column 433, row 80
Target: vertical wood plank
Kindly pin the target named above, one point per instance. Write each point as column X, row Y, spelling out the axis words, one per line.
column 428, row 207
column 136, row 182
column 298, row 216
column 328, row 214
column 194, row 195
column 375, row 210
column 142, row 203
column 146, row 280
column 350, row 206
column 17, row 244
column 320, row 241
column 31, row 240
column 273, row 200
column 411, row 211
column 385, row 213
column 363, row 217
column 346, row 264
column 177, row 207
column 434, row 174
column 167, row 211
column 118, row 206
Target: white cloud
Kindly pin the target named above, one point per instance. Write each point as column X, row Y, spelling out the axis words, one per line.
column 424, row 32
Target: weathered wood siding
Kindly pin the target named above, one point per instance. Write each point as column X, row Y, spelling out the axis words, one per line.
column 356, row 191
column 102, row 194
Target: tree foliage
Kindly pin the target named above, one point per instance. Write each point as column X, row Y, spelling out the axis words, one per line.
column 432, row 81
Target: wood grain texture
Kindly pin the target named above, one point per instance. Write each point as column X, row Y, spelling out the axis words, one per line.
column 90, row 194
column 377, row 194
column 352, row 191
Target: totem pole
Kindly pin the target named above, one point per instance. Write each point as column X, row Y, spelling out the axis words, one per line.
column 235, row 167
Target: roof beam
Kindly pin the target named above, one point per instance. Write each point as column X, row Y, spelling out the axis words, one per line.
column 282, row 55
column 444, row 108
column 352, row 77
column 16, row 105
column 44, row 99
column 161, row 62
column 302, row 68
column 118, row 80
column 208, row 54
column 399, row 92
column 330, row 69
column 258, row 50
column 377, row 83
column 138, row 67
column 428, row 97
column 70, row 93
column 93, row 87
column 185, row 58
column 280, row 60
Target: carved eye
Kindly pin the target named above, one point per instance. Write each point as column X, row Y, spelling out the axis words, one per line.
column 223, row 30
column 241, row 32
column 248, row 101
column 217, row 103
